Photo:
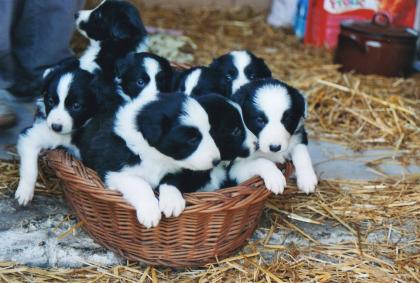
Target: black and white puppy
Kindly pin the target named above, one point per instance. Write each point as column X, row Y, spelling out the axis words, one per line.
column 233, row 140
column 196, row 81
column 148, row 138
column 138, row 72
column 68, row 104
column 114, row 29
column 275, row 113
column 237, row 68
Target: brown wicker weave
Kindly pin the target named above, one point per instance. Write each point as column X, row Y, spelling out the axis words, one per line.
column 213, row 224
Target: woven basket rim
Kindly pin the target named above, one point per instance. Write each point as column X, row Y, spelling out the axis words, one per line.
column 221, row 199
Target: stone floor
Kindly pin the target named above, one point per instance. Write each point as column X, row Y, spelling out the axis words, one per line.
column 29, row 235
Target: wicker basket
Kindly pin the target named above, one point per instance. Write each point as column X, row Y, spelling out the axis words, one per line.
column 213, row 224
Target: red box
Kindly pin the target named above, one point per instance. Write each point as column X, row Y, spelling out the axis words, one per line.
column 325, row 16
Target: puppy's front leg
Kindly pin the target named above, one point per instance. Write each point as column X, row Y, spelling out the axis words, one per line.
column 245, row 169
column 305, row 174
column 29, row 145
column 137, row 192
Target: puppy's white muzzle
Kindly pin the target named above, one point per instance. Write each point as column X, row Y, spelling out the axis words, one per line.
column 205, row 157
column 274, row 138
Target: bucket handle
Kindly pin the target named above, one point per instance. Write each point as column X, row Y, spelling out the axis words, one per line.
column 381, row 19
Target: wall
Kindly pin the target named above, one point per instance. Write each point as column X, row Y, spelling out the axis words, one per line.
column 258, row 5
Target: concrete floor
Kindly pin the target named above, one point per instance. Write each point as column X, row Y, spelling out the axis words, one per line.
column 29, row 235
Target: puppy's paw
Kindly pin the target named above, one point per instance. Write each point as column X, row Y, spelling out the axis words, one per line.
column 148, row 213
column 274, row 181
column 24, row 193
column 171, row 202
column 307, row 181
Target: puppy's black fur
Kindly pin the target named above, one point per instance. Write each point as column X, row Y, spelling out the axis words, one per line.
column 229, row 134
column 118, row 28
column 103, row 150
column 206, row 83
column 226, row 71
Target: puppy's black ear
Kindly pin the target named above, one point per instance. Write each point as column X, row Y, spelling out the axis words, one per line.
column 135, row 22
column 262, row 68
column 150, row 128
column 129, row 26
column 122, row 65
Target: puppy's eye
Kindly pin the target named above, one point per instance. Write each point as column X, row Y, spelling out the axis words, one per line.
column 260, row 121
column 141, row 83
column 76, row 106
column 193, row 136
column 236, row 132
column 98, row 15
column 251, row 76
column 50, row 101
column 228, row 77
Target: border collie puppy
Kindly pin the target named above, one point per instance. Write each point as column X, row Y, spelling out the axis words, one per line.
column 237, row 68
column 114, row 29
column 275, row 113
column 196, row 81
column 69, row 103
column 139, row 72
column 148, row 138
column 233, row 140
column 134, row 74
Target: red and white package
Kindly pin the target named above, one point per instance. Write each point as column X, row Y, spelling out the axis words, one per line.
column 325, row 16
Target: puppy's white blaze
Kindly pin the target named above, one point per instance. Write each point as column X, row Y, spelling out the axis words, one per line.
column 241, row 60
column 194, row 115
column 87, row 61
column 152, row 68
column 59, row 114
column 192, row 81
column 273, row 101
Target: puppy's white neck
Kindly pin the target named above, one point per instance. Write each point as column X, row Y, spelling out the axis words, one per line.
column 87, row 61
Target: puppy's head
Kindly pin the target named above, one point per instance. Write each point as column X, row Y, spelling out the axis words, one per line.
column 142, row 72
column 177, row 126
column 68, row 98
column 228, row 130
column 196, row 81
column 273, row 111
column 237, row 68
column 111, row 20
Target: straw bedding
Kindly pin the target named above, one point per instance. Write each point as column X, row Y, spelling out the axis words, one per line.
column 381, row 218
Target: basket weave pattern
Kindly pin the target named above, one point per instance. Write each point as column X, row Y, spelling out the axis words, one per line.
column 213, row 224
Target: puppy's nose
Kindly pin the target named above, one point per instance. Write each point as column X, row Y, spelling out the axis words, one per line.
column 275, row 147
column 57, row 127
column 76, row 15
column 216, row 162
